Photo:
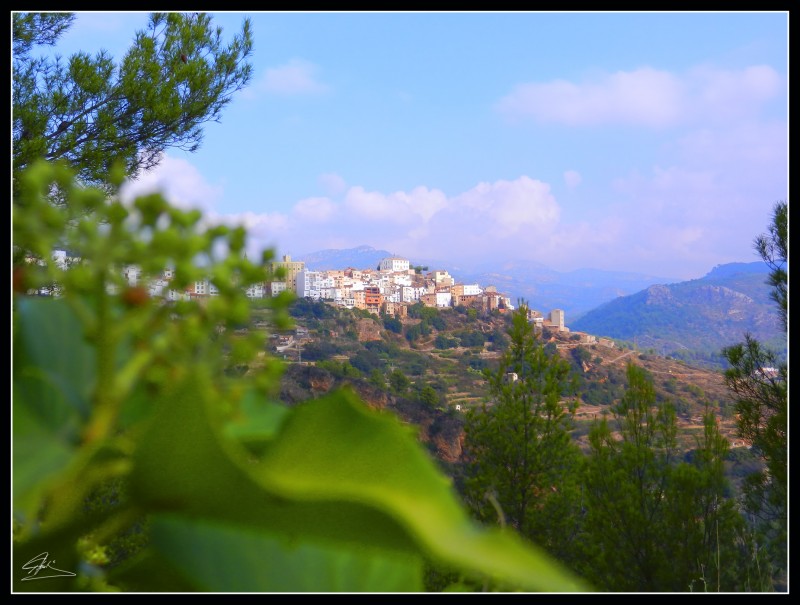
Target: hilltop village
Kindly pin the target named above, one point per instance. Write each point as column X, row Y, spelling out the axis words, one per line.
column 389, row 289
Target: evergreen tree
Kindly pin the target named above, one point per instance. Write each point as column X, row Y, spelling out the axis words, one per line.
column 399, row 382
column 656, row 523
column 759, row 385
column 626, row 482
column 94, row 112
column 522, row 466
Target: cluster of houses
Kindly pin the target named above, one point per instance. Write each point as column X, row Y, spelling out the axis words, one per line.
column 388, row 289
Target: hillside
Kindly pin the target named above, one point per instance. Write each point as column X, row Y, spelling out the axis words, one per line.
column 432, row 380
column 694, row 320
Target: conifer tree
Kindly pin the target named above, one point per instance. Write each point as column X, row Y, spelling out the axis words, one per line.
column 759, row 385
column 522, row 465
column 655, row 522
column 95, row 112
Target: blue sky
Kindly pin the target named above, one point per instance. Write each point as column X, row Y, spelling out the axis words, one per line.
column 646, row 142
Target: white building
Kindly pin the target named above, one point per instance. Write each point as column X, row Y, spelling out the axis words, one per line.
column 401, row 279
column 63, row 259
column 557, row 319
column 201, row 287
column 132, row 274
column 412, row 294
column 444, row 299
column 309, row 284
column 276, row 287
column 253, row 290
column 157, row 287
column 394, row 263
column 442, row 278
column 392, row 293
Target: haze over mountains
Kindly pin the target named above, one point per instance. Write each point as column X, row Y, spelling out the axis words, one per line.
column 575, row 292
column 700, row 316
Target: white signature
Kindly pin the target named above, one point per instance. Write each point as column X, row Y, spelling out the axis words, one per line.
column 39, row 563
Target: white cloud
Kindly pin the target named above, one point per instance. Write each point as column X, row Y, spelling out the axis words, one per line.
column 258, row 224
column 695, row 214
column 508, row 206
column 725, row 94
column 263, row 229
column 689, row 214
column 742, row 146
column 645, row 97
column 332, row 183
column 572, row 178
column 315, row 209
column 180, row 183
column 399, row 207
column 297, row 77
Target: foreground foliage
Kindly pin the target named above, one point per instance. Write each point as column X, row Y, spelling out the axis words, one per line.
column 141, row 464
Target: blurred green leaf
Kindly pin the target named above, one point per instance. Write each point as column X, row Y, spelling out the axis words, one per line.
column 50, row 338
column 226, row 557
column 182, row 463
column 337, row 473
column 258, row 421
column 49, row 398
column 39, row 454
column 337, row 448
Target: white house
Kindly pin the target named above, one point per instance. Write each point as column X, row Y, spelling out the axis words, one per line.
column 394, row 263
column 444, row 299
column 412, row 294
column 401, row 279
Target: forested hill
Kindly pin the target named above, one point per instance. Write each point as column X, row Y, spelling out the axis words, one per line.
column 694, row 319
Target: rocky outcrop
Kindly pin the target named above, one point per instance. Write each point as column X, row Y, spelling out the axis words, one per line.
column 301, row 382
column 368, row 329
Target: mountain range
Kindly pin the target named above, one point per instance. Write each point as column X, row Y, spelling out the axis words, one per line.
column 695, row 318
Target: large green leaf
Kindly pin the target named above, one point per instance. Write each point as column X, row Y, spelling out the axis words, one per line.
column 258, row 421
column 52, row 379
column 336, row 474
column 182, row 463
column 50, row 337
column 39, row 454
column 226, row 557
column 337, row 448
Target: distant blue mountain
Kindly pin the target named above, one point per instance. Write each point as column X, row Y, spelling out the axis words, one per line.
column 362, row 257
column 723, row 271
column 697, row 317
